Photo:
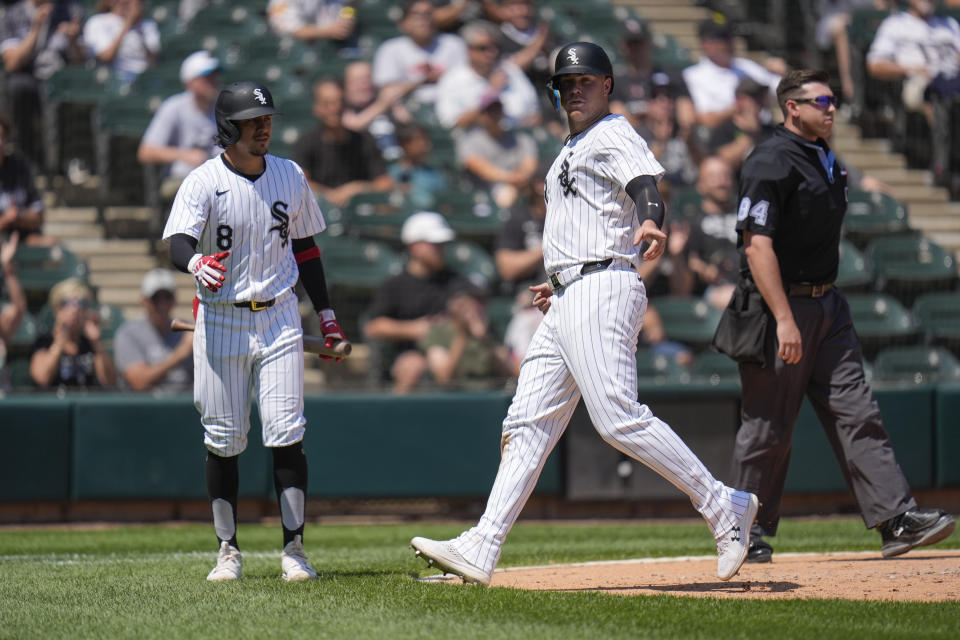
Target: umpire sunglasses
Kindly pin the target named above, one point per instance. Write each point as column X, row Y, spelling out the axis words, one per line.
column 823, row 102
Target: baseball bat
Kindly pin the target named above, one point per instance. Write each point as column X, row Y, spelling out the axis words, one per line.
column 311, row 344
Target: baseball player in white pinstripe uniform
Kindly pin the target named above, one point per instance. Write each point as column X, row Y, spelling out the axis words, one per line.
column 243, row 223
column 602, row 202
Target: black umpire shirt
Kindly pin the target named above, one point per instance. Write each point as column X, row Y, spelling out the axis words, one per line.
column 795, row 192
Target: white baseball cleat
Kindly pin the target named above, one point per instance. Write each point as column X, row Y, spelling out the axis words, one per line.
column 229, row 564
column 732, row 548
column 442, row 555
column 296, row 567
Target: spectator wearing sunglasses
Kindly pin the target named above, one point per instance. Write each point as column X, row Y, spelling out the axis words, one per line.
column 464, row 92
column 71, row 353
column 149, row 356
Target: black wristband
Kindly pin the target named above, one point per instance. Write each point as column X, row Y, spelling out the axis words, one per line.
column 182, row 248
column 643, row 190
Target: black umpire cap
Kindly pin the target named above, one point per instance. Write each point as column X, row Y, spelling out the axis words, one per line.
column 240, row 101
column 581, row 57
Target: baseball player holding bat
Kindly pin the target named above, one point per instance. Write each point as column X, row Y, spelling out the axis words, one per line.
column 602, row 202
column 243, row 223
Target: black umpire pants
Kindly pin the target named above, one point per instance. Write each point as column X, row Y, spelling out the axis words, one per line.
column 831, row 375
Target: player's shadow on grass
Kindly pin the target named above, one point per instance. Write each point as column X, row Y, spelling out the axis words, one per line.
column 734, row 586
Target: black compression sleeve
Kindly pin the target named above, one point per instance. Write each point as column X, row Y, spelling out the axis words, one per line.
column 311, row 273
column 182, row 248
column 643, row 190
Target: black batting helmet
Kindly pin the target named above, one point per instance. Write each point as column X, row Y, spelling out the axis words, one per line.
column 581, row 57
column 240, row 101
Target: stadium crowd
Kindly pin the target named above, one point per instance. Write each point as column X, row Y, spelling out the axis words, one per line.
column 425, row 130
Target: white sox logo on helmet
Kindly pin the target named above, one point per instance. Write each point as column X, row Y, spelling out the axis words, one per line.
column 259, row 96
column 572, row 56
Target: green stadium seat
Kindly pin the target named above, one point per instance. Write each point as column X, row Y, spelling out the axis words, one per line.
column 918, row 365
column 357, row 263
column 472, row 261
column 499, row 312
column 18, row 373
column 669, row 53
column 687, row 319
column 909, row 265
column 158, row 83
column 714, row 368
column 39, row 268
column 873, row 214
column 69, row 97
column 229, row 19
column 78, row 84
column 686, row 205
column 470, row 213
column 166, row 16
column 880, row 320
column 22, row 341
column 287, row 129
column 376, row 215
column 111, row 317
column 120, row 124
column 855, row 274
column 658, row 369
column 939, row 316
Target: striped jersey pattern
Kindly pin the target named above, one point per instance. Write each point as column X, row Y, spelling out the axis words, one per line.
column 253, row 219
column 590, row 216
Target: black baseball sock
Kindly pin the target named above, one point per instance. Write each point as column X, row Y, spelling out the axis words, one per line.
column 223, row 481
column 290, row 481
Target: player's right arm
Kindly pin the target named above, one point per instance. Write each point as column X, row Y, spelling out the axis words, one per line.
column 188, row 218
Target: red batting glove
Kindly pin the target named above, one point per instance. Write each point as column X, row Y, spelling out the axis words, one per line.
column 205, row 269
column 330, row 329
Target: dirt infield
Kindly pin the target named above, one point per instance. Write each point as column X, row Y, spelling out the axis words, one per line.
column 921, row 576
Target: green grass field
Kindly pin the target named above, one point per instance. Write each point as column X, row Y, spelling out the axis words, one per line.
column 148, row 582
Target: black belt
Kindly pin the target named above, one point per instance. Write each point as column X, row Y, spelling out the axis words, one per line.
column 590, row 267
column 585, row 268
column 253, row 305
column 809, row 290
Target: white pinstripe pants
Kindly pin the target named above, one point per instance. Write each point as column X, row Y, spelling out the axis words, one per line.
column 586, row 345
column 237, row 352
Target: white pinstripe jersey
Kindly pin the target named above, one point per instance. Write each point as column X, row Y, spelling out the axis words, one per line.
column 254, row 220
column 590, row 216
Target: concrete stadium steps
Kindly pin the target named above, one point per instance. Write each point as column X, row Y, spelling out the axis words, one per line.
column 906, row 177
column 867, row 161
column 70, row 215
column 914, row 194
column 849, row 143
column 676, row 18
column 72, row 230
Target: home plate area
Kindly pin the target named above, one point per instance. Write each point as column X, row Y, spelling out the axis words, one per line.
column 919, row 576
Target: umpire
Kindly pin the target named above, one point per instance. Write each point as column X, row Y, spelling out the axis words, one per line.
column 793, row 195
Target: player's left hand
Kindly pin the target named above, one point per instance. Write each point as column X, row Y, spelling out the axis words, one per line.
column 650, row 234
column 330, row 330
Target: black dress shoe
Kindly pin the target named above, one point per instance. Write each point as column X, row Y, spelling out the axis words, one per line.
column 760, row 550
column 914, row 528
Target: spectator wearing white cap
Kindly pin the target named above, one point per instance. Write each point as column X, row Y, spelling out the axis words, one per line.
column 182, row 131
column 149, row 356
column 407, row 305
